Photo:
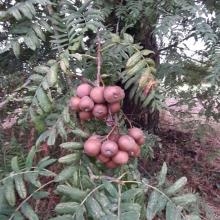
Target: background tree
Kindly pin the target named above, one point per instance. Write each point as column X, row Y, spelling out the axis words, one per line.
column 52, row 46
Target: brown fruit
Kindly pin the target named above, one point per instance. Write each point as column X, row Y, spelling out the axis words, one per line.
column 111, row 164
column 126, row 143
column 136, row 133
column 100, row 111
column 109, row 148
column 97, row 95
column 113, row 94
column 121, row 157
column 135, row 152
column 83, row 90
column 84, row 116
column 92, row 147
column 86, row 104
column 103, row 159
column 114, row 137
column 114, row 107
column 141, row 141
column 74, row 103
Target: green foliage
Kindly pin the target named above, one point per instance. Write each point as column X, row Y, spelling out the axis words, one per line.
column 133, row 35
column 22, row 184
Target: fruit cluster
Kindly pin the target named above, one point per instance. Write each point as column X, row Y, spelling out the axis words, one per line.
column 115, row 149
column 97, row 101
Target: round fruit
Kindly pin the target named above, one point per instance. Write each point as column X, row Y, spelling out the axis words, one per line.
column 141, row 141
column 114, row 107
column 100, row 111
column 86, row 104
column 126, row 143
column 102, row 158
column 109, row 148
column 74, row 103
column 97, row 95
column 121, row 158
column 92, row 147
column 83, row 90
column 136, row 151
column 136, row 133
column 84, row 116
column 113, row 94
column 111, row 164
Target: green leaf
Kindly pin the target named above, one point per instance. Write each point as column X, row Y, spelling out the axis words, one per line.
column 36, row 78
column 14, row 164
column 9, row 191
column 43, row 100
column 67, row 207
column 65, row 174
column 147, row 52
column 26, row 11
column 20, row 186
column 70, row 158
column 66, row 115
column 45, row 162
column 72, row 145
column 52, row 137
column 30, row 158
column 32, row 177
column 79, row 132
column 28, row 212
column 177, row 186
column 75, row 194
column 134, row 59
column 184, row 199
column 172, row 212
column 52, row 75
column 162, row 175
column 152, row 206
column 110, row 188
column 62, row 217
column 15, row 12
column 41, row 69
column 93, row 208
column 17, row 216
column 39, row 32
column 128, row 38
column 16, row 48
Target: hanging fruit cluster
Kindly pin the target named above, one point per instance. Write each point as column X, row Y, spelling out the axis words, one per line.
column 96, row 101
column 99, row 102
column 115, row 149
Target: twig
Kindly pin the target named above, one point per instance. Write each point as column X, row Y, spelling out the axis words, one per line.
column 119, row 201
column 98, row 59
column 126, row 118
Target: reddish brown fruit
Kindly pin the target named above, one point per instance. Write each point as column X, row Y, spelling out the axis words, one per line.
column 97, row 95
column 114, row 107
column 126, row 143
column 109, row 148
column 103, row 159
column 111, row 164
column 86, row 104
column 113, row 94
column 100, row 111
column 136, row 133
column 74, row 103
column 92, row 147
column 84, row 116
column 121, row 158
column 141, row 141
column 83, row 90
column 136, row 151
